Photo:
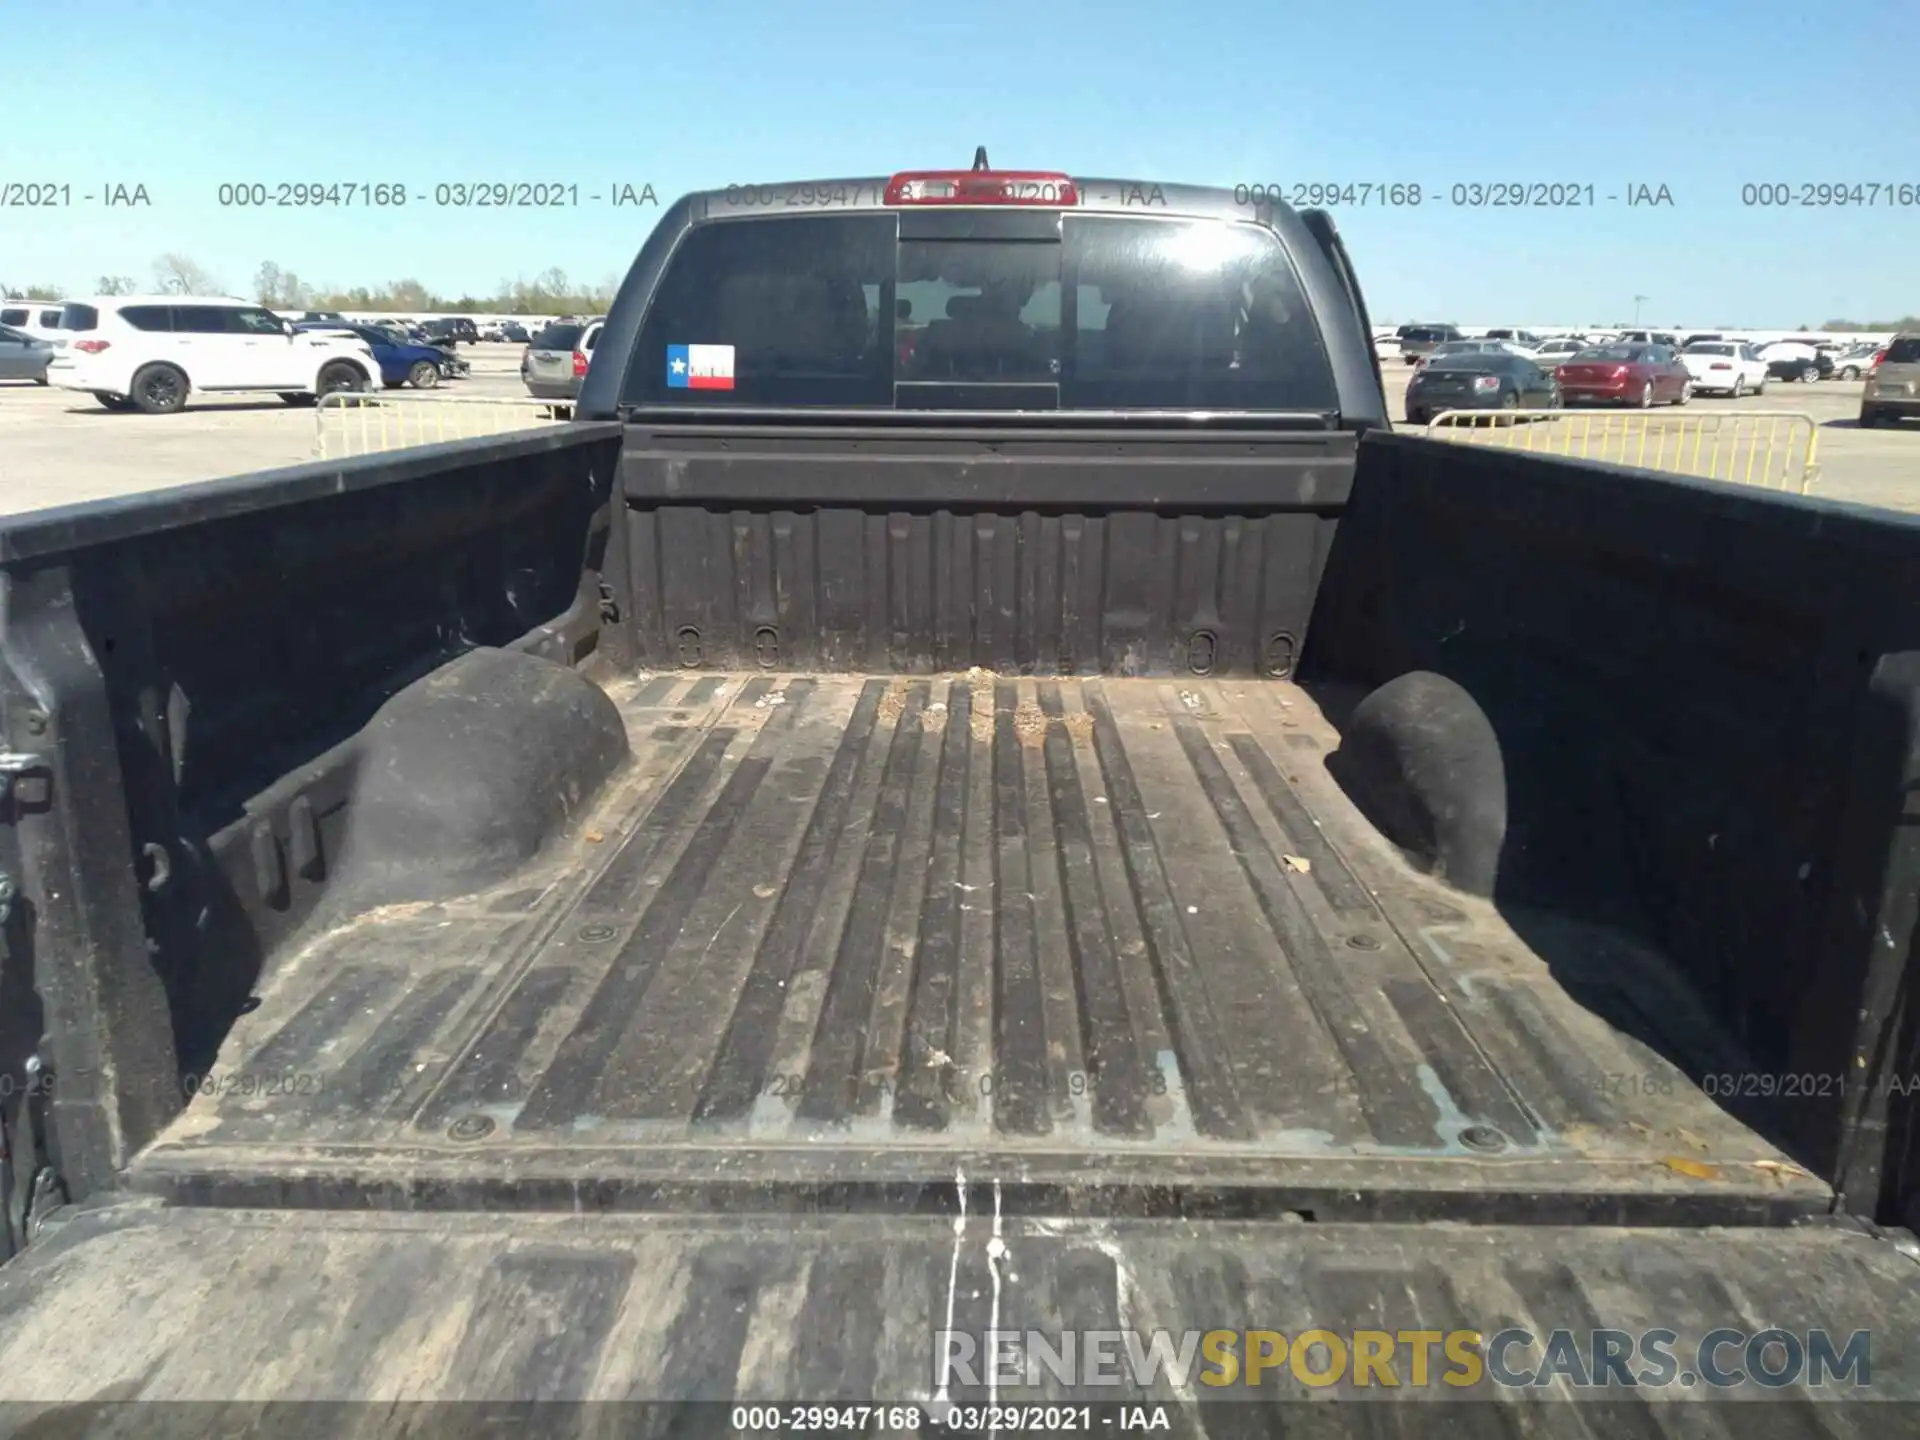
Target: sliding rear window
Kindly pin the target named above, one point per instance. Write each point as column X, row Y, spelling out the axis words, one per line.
column 1098, row 313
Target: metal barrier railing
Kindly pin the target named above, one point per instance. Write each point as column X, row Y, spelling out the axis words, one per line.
column 1772, row 449
column 349, row 423
column 1776, row 450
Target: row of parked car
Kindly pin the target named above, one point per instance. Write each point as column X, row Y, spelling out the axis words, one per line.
column 1504, row 371
column 448, row 329
column 411, row 355
column 552, row 364
column 1785, row 359
column 444, row 336
column 150, row 352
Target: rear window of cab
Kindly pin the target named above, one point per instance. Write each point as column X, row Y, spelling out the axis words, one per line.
column 1101, row 313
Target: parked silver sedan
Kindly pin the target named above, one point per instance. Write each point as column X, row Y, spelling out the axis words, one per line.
column 22, row 357
column 1854, row 361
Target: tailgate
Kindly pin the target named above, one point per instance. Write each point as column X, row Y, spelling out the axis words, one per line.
column 550, row 364
column 135, row 1302
column 550, row 353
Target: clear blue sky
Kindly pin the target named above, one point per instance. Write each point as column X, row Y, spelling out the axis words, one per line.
column 1696, row 95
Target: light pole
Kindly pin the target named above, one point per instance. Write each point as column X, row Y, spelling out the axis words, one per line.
column 1636, row 310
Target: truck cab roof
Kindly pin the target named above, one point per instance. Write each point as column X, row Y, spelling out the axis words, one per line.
column 1090, row 194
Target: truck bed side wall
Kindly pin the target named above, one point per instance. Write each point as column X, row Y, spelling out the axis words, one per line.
column 1705, row 718
column 222, row 644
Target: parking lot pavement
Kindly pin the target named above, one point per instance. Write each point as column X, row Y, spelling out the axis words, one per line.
column 58, row 447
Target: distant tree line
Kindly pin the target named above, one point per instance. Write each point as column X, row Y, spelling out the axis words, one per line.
column 550, row 293
column 1905, row 322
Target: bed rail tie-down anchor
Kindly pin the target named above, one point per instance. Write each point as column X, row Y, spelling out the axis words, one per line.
column 34, row 1189
column 25, row 778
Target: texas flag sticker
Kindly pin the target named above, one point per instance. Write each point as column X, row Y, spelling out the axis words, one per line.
column 700, row 367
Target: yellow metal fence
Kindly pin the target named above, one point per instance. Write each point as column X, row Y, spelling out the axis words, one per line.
column 361, row 423
column 1776, row 450
column 1772, row 449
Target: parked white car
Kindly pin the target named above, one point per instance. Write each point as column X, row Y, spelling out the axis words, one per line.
column 38, row 318
column 1725, row 367
column 1558, row 351
column 1851, row 364
column 149, row 352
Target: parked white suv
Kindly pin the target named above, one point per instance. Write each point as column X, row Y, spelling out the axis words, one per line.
column 38, row 318
column 149, row 352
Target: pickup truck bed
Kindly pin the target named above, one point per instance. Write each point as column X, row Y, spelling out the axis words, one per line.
column 1122, row 943
column 865, row 993
column 694, row 903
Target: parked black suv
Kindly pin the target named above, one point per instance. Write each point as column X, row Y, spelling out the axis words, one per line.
column 456, row 329
column 1419, row 341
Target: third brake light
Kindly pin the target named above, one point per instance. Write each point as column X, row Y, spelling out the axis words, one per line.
column 981, row 186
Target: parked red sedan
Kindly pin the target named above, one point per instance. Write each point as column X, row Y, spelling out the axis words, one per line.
column 1643, row 375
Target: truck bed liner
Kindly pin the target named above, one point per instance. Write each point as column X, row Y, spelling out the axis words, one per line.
column 1123, row 945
